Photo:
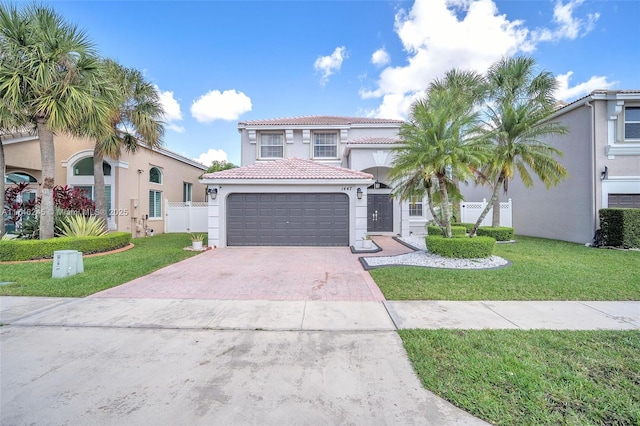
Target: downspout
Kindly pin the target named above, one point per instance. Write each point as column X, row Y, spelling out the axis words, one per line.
column 594, row 174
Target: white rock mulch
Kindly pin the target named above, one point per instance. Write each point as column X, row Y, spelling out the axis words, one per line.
column 426, row 259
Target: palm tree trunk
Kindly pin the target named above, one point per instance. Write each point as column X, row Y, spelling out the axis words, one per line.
column 446, row 213
column 431, row 208
column 99, row 191
column 495, row 220
column 494, row 197
column 47, row 155
column 3, row 169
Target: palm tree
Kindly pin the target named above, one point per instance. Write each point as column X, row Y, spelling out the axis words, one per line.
column 50, row 69
column 134, row 120
column 440, row 143
column 520, row 102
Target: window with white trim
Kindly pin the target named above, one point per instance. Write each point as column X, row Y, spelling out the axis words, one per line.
column 187, row 189
column 632, row 123
column 155, row 204
column 89, row 192
column 155, row 175
column 271, row 145
column 325, row 145
column 416, row 207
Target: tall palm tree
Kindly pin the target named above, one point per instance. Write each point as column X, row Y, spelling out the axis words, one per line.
column 50, row 69
column 520, row 102
column 135, row 115
column 441, row 142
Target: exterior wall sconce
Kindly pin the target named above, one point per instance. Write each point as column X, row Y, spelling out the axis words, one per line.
column 376, row 185
column 213, row 193
column 605, row 173
column 359, row 193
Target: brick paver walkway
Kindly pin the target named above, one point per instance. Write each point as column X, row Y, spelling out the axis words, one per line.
column 263, row 273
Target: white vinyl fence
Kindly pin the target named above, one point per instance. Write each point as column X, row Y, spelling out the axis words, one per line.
column 472, row 210
column 185, row 217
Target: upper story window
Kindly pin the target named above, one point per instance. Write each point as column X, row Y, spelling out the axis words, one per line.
column 19, row 177
column 84, row 167
column 325, row 145
column 271, row 145
column 155, row 175
column 632, row 123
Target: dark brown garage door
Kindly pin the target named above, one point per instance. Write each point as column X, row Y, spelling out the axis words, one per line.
column 629, row 201
column 288, row 220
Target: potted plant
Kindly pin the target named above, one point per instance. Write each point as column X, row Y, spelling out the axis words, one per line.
column 367, row 243
column 196, row 241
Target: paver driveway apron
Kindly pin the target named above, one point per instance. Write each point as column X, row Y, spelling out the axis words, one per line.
column 259, row 273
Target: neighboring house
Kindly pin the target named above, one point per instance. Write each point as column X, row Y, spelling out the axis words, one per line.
column 602, row 156
column 137, row 185
column 315, row 181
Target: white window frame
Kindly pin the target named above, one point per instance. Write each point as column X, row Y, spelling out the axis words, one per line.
column 156, row 214
column 160, row 172
column 315, row 144
column 265, row 142
column 637, row 122
column 414, row 202
column 187, row 192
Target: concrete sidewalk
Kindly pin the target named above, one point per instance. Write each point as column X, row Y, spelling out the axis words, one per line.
column 318, row 315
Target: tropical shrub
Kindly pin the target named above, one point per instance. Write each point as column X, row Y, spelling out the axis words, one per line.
column 456, row 231
column 43, row 249
column 500, row 233
column 82, row 226
column 620, row 227
column 461, row 247
column 467, row 226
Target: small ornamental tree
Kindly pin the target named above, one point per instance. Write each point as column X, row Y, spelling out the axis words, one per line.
column 73, row 201
column 15, row 206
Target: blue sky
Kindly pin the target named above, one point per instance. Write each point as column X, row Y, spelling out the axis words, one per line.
column 219, row 62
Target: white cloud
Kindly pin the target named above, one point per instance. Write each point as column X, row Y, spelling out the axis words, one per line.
column 567, row 93
column 215, row 105
column 568, row 25
column 328, row 65
column 210, row 156
column 380, row 57
column 171, row 109
column 439, row 35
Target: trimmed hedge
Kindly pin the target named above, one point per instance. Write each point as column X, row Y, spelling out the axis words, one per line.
column 13, row 250
column 467, row 226
column 500, row 233
column 455, row 230
column 461, row 247
column 620, row 227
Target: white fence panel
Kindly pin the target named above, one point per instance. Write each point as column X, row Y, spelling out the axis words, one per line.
column 185, row 217
column 472, row 210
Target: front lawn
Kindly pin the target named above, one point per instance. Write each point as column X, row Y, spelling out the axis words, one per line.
column 514, row 377
column 541, row 270
column 100, row 272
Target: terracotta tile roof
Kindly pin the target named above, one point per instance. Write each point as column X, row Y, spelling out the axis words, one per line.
column 373, row 140
column 288, row 168
column 318, row 120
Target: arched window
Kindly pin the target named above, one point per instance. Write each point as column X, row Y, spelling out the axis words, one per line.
column 84, row 167
column 19, row 177
column 155, row 175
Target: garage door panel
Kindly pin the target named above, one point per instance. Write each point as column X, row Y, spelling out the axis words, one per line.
column 288, row 219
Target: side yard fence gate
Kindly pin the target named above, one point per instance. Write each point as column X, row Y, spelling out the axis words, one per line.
column 185, row 217
column 471, row 211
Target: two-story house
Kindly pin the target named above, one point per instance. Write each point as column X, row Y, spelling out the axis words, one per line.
column 310, row 181
column 602, row 155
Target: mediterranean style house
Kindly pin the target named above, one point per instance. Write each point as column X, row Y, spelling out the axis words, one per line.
column 602, row 156
column 310, row 181
column 137, row 185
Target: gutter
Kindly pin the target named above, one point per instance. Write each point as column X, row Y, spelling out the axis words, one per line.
column 594, row 174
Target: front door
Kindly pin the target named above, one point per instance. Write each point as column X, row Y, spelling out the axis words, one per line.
column 379, row 213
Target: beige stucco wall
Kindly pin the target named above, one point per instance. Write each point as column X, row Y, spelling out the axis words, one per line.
column 127, row 183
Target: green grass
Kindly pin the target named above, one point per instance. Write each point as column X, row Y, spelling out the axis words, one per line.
column 100, row 273
column 515, row 377
column 541, row 270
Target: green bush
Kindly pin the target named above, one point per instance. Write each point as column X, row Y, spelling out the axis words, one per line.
column 43, row 249
column 467, row 226
column 500, row 233
column 455, row 230
column 620, row 227
column 461, row 247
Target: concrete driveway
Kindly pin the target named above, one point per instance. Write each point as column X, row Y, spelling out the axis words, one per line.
column 261, row 273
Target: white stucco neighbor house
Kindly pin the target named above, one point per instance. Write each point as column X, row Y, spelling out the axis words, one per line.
column 602, row 156
column 310, row 181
